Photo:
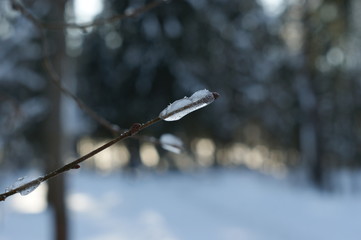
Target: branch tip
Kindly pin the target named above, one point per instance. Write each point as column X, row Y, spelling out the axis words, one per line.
column 76, row 166
column 216, row 95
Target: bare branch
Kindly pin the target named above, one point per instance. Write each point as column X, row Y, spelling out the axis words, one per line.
column 54, row 77
column 49, row 67
column 134, row 129
column 97, row 22
column 19, row 7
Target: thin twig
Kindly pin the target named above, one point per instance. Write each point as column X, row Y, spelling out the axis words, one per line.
column 97, row 22
column 55, row 78
column 134, row 129
column 19, row 7
column 114, row 128
column 49, row 67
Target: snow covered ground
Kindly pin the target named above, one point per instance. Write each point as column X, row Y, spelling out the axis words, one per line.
column 211, row 205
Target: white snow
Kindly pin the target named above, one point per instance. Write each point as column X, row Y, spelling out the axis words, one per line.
column 213, row 205
column 184, row 106
column 171, row 143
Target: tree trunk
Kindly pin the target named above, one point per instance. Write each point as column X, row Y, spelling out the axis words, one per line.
column 320, row 35
column 54, row 134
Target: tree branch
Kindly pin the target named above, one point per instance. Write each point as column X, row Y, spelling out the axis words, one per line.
column 97, row 22
column 54, row 77
column 134, row 129
column 203, row 96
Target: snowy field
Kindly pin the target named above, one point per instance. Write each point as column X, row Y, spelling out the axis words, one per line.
column 224, row 205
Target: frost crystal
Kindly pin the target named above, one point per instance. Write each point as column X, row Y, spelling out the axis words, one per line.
column 28, row 185
column 182, row 107
column 171, row 143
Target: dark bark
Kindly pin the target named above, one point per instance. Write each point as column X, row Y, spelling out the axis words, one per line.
column 54, row 135
column 319, row 36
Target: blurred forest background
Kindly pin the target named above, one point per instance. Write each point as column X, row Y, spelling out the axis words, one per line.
column 287, row 71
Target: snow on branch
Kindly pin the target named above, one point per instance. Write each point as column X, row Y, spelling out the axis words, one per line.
column 186, row 105
column 171, row 143
column 173, row 112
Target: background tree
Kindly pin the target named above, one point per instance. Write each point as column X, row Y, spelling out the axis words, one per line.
column 54, row 150
column 325, row 121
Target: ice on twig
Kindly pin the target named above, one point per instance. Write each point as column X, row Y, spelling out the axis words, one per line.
column 16, row 184
column 171, row 143
column 182, row 107
column 25, row 186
